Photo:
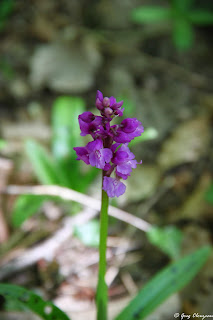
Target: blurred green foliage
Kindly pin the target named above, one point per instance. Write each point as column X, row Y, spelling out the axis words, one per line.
column 166, row 282
column 3, row 144
column 181, row 14
column 6, row 69
column 169, row 280
column 88, row 233
column 6, row 8
column 45, row 309
column 209, row 194
column 58, row 167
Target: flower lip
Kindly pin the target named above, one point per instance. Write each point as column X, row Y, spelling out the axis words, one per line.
column 113, row 187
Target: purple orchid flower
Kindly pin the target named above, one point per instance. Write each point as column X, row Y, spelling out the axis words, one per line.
column 129, row 129
column 94, row 154
column 89, row 123
column 124, row 160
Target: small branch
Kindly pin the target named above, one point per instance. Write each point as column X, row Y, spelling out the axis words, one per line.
column 71, row 195
column 6, row 167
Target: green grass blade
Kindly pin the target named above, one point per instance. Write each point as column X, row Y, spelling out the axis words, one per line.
column 46, row 310
column 166, row 282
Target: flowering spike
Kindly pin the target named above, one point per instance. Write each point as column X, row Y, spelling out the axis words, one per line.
column 109, row 149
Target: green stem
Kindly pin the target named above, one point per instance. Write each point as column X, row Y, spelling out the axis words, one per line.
column 102, row 290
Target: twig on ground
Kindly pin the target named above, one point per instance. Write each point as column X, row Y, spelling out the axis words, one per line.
column 71, row 195
column 48, row 248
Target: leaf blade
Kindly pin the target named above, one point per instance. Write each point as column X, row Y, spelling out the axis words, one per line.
column 165, row 283
column 45, row 309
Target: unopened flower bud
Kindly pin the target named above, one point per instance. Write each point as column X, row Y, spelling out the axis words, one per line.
column 108, row 112
column 106, row 102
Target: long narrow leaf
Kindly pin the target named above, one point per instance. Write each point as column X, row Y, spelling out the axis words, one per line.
column 165, row 283
column 46, row 310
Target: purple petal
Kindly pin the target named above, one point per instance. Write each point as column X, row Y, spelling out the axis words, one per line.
column 112, row 101
column 119, row 112
column 122, row 137
column 87, row 116
column 82, row 154
column 125, row 148
column 124, row 168
column 99, row 95
column 107, row 167
column 120, row 156
column 107, row 154
column 123, row 176
column 129, row 125
column 94, row 145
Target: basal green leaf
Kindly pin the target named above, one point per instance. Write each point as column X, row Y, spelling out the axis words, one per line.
column 149, row 14
column 45, row 309
column 166, row 282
